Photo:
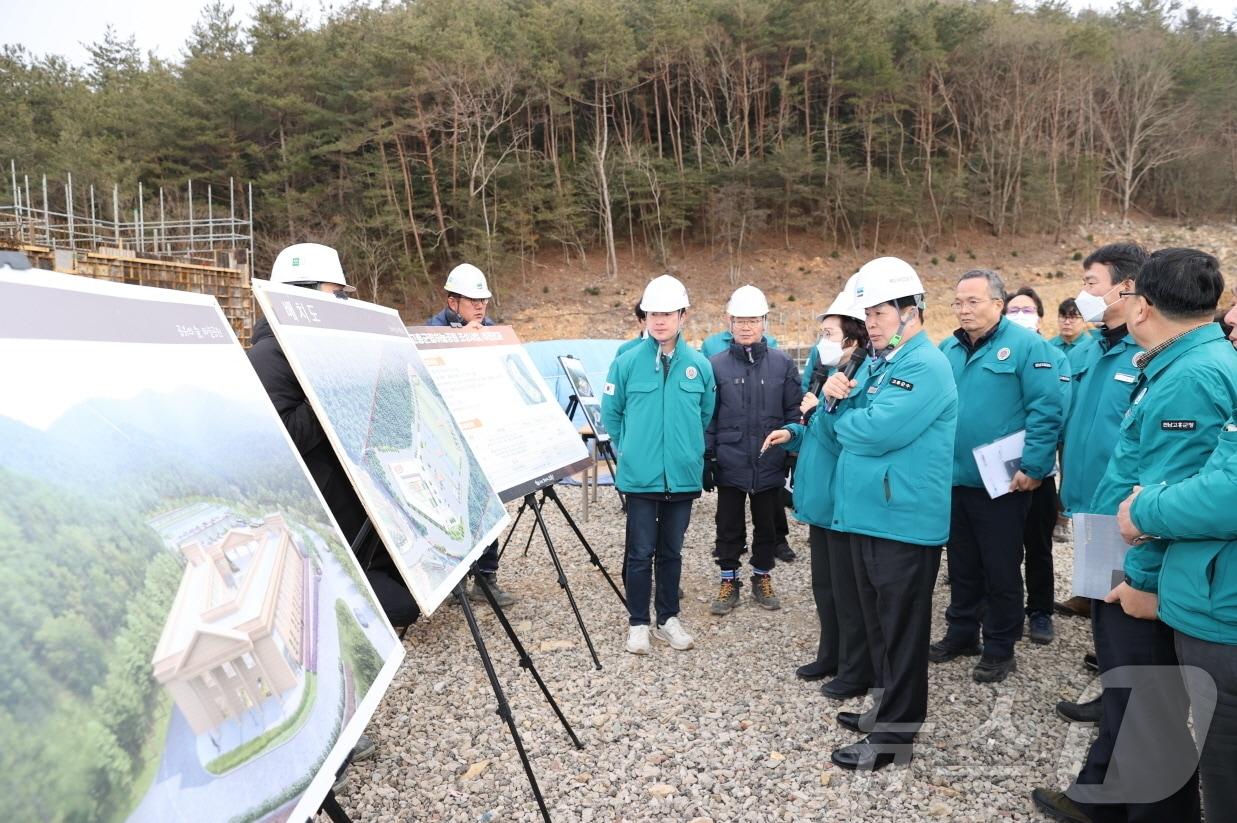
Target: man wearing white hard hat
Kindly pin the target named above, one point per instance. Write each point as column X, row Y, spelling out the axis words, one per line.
column 317, row 267
column 757, row 389
column 658, row 398
column 843, row 646
column 468, row 297
column 893, row 431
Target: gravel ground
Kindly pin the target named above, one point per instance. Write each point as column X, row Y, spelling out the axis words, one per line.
column 724, row 732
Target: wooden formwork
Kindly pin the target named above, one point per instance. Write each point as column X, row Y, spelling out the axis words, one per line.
column 230, row 286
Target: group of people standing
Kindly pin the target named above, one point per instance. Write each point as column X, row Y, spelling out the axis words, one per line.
column 885, row 476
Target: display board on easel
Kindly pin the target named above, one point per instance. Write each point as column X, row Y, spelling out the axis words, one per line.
column 585, row 397
column 505, row 409
column 192, row 636
column 414, row 471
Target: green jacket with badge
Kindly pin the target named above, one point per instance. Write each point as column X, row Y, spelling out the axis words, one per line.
column 1185, row 395
column 1103, row 381
column 895, row 438
column 657, row 417
column 1010, row 382
column 1198, row 581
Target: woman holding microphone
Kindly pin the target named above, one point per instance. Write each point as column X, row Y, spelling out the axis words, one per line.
column 843, row 647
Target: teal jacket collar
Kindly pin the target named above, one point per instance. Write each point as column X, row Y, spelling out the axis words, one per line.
column 1189, row 341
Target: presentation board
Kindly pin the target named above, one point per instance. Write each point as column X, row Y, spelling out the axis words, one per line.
column 506, row 411
column 186, row 634
column 420, row 482
column 582, row 388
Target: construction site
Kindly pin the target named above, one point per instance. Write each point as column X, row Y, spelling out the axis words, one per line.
column 198, row 238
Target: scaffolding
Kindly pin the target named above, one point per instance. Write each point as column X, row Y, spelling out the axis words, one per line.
column 178, row 240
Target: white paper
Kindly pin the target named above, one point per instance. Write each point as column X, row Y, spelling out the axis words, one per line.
column 999, row 461
column 1099, row 555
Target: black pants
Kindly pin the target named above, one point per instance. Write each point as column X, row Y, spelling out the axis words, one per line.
column 1037, row 541
column 1219, row 751
column 985, row 569
column 393, row 596
column 732, row 527
column 843, row 642
column 1124, row 641
column 894, row 581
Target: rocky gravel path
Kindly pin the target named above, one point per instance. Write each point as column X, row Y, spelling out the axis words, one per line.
column 724, row 732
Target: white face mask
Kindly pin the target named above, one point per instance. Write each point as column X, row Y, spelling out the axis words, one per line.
column 829, row 352
column 1091, row 307
column 1027, row 321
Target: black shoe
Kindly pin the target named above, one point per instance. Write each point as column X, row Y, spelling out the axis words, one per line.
column 943, row 652
column 842, row 691
column 1056, row 805
column 991, row 669
column 782, row 551
column 1090, row 662
column 850, row 720
column 1085, row 714
column 815, row 671
column 1041, row 630
column 865, row 756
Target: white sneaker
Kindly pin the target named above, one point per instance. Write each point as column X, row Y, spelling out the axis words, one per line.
column 638, row 639
column 672, row 632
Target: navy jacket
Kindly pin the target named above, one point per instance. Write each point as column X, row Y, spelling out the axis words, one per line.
column 755, row 395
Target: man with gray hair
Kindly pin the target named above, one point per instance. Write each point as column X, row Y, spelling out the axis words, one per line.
column 1007, row 383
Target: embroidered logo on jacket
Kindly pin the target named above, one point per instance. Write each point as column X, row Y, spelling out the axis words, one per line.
column 1178, row 425
column 901, row 384
column 1042, row 365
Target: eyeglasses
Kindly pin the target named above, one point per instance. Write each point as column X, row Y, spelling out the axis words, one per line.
column 1022, row 310
column 971, row 303
column 746, row 322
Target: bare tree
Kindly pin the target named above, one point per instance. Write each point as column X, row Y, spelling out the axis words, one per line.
column 1137, row 117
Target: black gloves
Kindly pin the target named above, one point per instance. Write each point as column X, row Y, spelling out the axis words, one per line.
column 708, row 478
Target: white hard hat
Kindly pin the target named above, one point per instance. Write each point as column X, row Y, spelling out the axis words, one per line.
column 747, row 301
column 885, row 279
column 844, row 304
column 664, row 293
column 309, row 263
column 468, row 281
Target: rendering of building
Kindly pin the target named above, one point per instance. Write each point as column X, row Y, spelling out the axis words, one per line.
column 236, row 633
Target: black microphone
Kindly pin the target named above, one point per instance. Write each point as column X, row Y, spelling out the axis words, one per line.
column 819, row 375
column 852, row 368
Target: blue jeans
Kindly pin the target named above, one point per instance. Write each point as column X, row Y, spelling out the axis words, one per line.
column 655, row 531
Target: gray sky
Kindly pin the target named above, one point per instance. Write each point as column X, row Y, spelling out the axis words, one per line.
column 162, row 26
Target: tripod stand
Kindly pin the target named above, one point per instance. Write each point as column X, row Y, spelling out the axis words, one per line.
column 531, row 502
column 364, row 547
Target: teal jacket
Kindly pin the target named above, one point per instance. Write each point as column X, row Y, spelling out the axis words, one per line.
column 1185, row 395
column 818, row 456
column 1103, row 380
column 895, row 437
column 1198, row 581
column 1011, row 382
column 658, row 418
column 720, row 342
column 805, row 377
column 1080, row 342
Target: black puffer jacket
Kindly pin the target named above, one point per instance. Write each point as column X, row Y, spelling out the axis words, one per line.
column 757, row 391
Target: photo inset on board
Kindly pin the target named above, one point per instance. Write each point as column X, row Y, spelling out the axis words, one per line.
column 190, row 636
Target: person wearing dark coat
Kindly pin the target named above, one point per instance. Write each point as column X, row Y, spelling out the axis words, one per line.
column 757, row 391
column 273, row 370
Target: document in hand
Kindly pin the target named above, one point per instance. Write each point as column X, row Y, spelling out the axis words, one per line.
column 999, row 461
column 1099, row 555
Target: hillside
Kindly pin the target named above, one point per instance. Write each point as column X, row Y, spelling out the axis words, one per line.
column 554, row 301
